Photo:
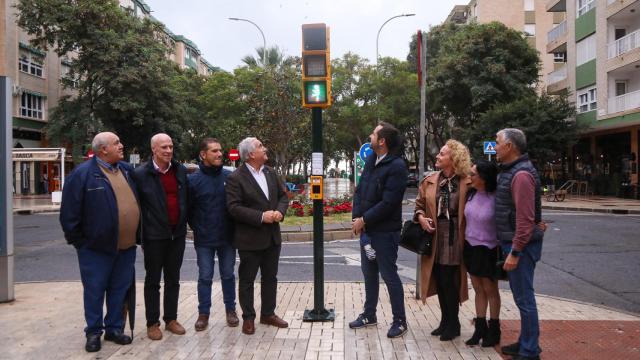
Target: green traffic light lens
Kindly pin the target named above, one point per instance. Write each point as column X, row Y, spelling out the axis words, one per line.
column 315, row 92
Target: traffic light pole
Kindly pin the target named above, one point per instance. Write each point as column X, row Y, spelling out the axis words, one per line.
column 319, row 313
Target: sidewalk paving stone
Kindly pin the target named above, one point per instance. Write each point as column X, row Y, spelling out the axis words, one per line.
column 46, row 322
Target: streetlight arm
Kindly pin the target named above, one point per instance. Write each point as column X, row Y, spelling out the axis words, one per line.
column 385, row 23
column 264, row 40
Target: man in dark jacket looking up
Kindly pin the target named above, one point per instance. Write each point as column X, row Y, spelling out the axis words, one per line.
column 257, row 202
column 162, row 186
column 100, row 217
column 377, row 215
column 209, row 220
column 518, row 210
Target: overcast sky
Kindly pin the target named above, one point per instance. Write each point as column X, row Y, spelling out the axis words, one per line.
column 354, row 24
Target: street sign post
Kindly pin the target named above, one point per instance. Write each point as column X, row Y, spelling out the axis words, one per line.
column 316, row 95
column 365, row 150
column 489, row 148
column 6, row 193
column 234, row 155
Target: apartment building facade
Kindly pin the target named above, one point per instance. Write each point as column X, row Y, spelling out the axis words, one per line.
column 601, row 39
column 37, row 78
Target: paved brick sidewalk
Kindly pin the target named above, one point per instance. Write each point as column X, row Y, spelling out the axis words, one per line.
column 46, row 322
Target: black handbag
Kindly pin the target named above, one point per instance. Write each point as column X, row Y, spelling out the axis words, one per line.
column 415, row 239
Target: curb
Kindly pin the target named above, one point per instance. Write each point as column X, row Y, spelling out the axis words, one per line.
column 592, row 210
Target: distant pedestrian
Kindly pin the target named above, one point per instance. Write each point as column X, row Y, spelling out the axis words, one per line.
column 209, row 219
column 440, row 209
column 257, row 202
column 100, row 217
column 377, row 218
column 45, row 182
column 162, row 185
column 481, row 252
column 518, row 210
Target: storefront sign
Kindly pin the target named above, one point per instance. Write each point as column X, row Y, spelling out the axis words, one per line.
column 36, row 155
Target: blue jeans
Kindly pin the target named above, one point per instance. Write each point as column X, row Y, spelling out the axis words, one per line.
column 521, row 283
column 206, row 263
column 386, row 247
column 110, row 274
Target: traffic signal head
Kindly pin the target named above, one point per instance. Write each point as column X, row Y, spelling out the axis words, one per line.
column 316, row 66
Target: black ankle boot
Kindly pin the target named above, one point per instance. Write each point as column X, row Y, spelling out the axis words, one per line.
column 492, row 338
column 438, row 331
column 451, row 331
column 479, row 332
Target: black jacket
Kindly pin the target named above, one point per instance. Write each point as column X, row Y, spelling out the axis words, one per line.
column 378, row 197
column 153, row 203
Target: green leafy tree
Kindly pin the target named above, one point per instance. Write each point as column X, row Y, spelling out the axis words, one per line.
column 124, row 75
column 544, row 119
column 481, row 78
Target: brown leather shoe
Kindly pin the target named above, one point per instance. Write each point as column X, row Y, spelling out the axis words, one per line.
column 153, row 332
column 175, row 327
column 248, row 327
column 273, row 320
column 232, row 318
column 202, row 322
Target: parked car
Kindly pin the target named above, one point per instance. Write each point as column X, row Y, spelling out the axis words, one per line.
column 412, row 180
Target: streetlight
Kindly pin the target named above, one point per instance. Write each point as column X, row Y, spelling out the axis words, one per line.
column 385, row 23
column 378, row 38
column 265, row 61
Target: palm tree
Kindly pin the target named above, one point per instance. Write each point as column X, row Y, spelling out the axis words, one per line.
column 274, row 56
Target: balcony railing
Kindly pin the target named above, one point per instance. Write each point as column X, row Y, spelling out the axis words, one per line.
column 624, row 44
column 557, row 31
column 624, row 102
column 557, row 75
column 586, row 7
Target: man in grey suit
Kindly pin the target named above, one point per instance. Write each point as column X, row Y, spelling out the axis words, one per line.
column 257, row 203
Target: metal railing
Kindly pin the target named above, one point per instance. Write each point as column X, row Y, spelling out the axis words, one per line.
column 558, row 31
column 624, row 102
column 586, row 7
column 557, row 75
column 624, row 44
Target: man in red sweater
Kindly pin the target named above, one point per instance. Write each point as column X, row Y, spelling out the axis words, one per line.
column 162, row 188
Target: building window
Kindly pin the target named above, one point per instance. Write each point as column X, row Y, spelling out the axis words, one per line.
column 586, row 50
column 189, row 54
column 31, row 63
column 584, row 6
column 559, row 57
column 530, row 29
column 529, row 5
column 65, row 76
column 587, row 99
column 32, row 106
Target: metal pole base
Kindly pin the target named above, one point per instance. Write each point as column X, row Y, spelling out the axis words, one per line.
column 317, row 316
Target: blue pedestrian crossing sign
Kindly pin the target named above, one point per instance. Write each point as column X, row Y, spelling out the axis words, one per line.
column 365, row 150
column 490, row 147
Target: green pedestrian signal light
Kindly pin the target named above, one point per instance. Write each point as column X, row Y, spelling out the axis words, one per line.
column 315, row 92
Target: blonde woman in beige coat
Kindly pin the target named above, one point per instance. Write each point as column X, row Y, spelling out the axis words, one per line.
column 440, row 211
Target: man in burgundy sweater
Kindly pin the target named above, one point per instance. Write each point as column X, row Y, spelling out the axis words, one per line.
column 162, row 188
